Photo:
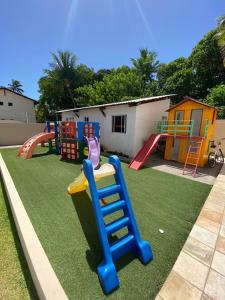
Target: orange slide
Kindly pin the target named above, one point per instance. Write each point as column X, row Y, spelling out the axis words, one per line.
column 27, row 149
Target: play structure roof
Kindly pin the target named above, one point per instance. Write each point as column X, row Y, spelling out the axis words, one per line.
column 129, row 102
column 187, row 98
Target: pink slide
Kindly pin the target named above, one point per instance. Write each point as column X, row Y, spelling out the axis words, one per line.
column 93, row 151
column 145, row 151
column 27, row 149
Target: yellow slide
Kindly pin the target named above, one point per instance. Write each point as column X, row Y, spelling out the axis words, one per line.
column 80, row 183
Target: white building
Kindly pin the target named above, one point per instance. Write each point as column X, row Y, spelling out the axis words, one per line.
column 16, row 107
column 125, row 126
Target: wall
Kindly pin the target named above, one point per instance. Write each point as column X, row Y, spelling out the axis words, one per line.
column 220, row 133
column 146, row 116
column 22, row 108
column 112, row 141
column 17, row 134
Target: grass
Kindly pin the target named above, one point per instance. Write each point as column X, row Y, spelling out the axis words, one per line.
column 67, row 230
column 15, row 279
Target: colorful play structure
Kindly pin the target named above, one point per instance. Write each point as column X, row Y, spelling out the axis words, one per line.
column 132, row 241
column 66, row 138
column 188, row 131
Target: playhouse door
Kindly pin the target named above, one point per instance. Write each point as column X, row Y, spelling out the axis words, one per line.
column 196, row 115
column 175, row 150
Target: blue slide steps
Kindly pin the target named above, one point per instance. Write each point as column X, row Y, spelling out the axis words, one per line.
column 131, row 242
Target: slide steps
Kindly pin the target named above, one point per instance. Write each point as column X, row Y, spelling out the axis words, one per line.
column 131, row 241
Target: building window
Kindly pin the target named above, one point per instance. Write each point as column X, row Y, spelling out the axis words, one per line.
column 1, row 103
column 10, row 104
column 119, row 124
column 86, row 119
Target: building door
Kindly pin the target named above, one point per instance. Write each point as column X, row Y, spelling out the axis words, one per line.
column 175, row 149
column 196, row 116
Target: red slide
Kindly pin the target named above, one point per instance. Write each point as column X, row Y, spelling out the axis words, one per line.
column 27, row 149
column 145, row 151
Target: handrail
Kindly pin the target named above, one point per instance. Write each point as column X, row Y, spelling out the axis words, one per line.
column 178, row 126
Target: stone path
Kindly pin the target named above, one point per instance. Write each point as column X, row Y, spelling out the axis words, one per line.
column 199, row 272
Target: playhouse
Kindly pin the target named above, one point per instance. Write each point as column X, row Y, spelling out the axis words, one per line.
column 188, row 131
column 187, row 121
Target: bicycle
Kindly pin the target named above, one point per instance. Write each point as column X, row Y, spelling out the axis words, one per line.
column 215, row 156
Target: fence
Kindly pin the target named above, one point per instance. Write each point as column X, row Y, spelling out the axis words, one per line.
column 18, row 133
column 220, row 133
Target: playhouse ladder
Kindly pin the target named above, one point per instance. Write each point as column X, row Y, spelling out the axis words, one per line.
column 131, row 242
column 193, row 155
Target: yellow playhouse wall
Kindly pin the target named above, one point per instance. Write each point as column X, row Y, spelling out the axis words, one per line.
column 208, row 113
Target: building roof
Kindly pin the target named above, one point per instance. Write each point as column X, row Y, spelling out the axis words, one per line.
column 187, row 98
column 6, row 89
column 129, row 102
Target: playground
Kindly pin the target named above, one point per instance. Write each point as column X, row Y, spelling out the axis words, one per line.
column 67, row 230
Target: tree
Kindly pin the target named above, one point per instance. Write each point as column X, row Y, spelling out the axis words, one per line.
column 176, row 78
column 221, row 37
column 16, row 86
column 146, row 65
column 216, row 97
column 207, row 65
column 57, row 86
column 114, row 87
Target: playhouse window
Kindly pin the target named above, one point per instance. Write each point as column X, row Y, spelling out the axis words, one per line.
column 10, row 104
column 119, row 123
column 86, row 119
column 1, row 103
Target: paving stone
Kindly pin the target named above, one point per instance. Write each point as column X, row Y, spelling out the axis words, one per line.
column 205, row 297
column 176, row 288
column 222, row 231
column 212, row 206
column 158, row 298
column 223, row 221
column 208, row 224
column 220, row 244
column 217, row 198
column 215, row 286
column 205, row 236
column 211, row 215
column 218, row 263
column 191, row 269
column 199, row 250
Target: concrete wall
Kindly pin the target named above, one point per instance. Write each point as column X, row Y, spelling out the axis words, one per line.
column 112, row 141
column 21, row 109
column 220, row 133
column 17, row 134
column 146, row 116
column 140, row 121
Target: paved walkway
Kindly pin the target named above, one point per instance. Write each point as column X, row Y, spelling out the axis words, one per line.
column 199, row 272
column 205, row 175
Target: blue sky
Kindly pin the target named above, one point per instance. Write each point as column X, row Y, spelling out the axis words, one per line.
column 102, row 33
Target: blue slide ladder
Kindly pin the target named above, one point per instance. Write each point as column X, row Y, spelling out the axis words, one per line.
column 131, row 242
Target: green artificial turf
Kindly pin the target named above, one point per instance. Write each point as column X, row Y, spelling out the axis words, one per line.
column 15, row 279
column 67, row 230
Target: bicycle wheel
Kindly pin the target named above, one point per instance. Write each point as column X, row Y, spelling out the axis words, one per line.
column 220, row 157
column 211, row 160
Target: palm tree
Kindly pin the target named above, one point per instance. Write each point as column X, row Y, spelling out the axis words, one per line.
column 146, row 65
column 16, row 86
column 63, row 71
column 221, row 36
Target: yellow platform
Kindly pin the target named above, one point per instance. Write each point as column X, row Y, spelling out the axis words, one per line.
column 80, row 183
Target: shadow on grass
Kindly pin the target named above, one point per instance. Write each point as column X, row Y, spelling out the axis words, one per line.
column 23, row 263
column 94, row 255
